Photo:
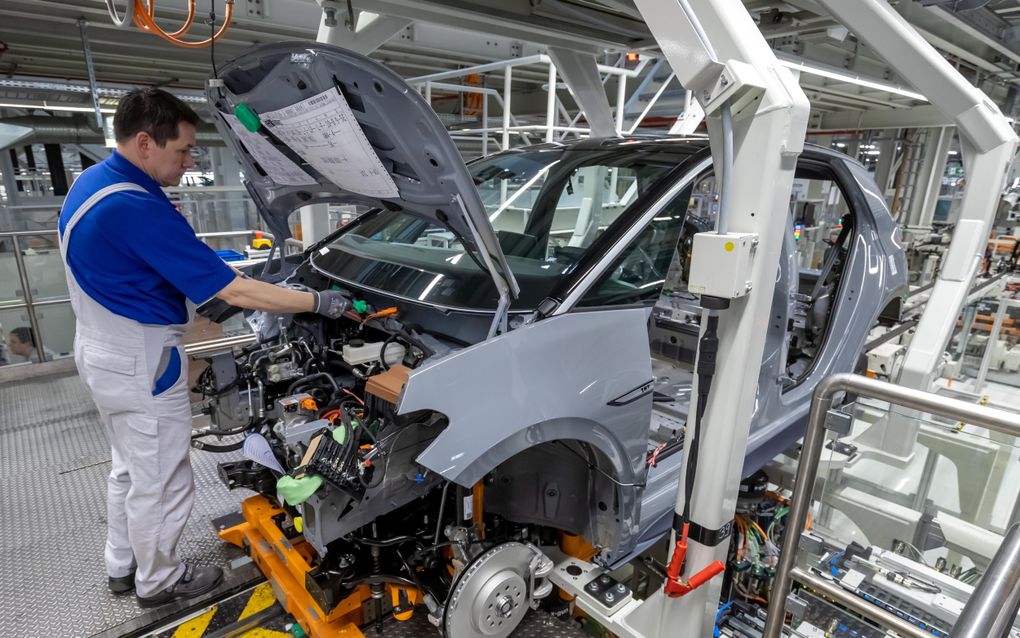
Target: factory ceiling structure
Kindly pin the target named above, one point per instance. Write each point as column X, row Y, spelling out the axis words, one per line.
column 510, row 318
column 42, row 59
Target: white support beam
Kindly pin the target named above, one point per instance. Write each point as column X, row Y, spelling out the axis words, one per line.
column 988, row 144
column 581, row 75
column 314, row 223
column 707, row 42
column 690, row 118
column 371, row 31
column 514, row 19
column 886, row 159
column 917, row 117
column 929, row 183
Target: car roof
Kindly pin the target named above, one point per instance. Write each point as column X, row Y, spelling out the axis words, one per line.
column 680, row 145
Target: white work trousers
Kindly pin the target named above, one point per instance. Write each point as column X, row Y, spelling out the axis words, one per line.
column 151, row 488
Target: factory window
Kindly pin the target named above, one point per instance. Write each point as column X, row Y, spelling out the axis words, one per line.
column 818, row 210
column 823, row 229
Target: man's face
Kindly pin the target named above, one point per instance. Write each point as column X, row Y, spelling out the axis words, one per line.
column 167, row 164
column 18, row 346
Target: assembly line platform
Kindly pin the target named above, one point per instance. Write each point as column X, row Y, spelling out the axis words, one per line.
column 54, row 461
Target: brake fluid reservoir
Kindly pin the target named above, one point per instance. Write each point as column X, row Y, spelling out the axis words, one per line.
column 369, row 352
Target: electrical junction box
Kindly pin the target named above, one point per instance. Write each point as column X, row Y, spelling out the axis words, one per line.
column 885, row 360
column 721, row 264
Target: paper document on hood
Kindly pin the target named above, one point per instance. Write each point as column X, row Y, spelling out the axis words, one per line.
column 274, row 163
column 325, row 133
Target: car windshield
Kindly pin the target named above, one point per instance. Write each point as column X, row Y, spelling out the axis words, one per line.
column 547, row 207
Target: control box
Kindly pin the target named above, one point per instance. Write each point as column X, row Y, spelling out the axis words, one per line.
column 721, row 264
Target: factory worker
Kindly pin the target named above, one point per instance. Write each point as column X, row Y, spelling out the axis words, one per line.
column 21, row 342
column 135, row 271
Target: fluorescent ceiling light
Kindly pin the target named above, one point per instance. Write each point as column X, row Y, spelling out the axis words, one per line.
column 843, row 76
column 45, row 106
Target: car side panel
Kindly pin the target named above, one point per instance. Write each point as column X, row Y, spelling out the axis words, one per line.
column 875, row 274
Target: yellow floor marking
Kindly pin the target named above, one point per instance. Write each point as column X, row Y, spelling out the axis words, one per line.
column 265, row 633
column 195, row 627
column 261, row 598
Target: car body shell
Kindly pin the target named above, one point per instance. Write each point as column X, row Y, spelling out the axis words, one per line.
column 565, row 372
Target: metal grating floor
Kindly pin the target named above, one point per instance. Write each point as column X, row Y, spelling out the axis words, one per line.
column 54, row 459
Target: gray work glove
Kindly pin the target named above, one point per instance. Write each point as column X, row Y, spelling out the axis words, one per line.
column 331, row 303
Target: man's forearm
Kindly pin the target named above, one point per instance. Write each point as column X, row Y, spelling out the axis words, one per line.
column 258, row 295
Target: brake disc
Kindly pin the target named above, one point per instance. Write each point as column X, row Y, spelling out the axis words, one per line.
column 491, row 596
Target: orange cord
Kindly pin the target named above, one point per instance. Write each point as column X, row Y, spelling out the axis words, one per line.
column 779, row 498
column 144, row 16
column 187, row 23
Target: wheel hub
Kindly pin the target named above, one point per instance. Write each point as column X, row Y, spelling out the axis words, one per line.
column 490, row 598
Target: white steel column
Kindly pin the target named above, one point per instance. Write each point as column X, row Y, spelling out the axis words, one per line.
column 485, row 125
column 227, row 172
column 581, row 75
column 7, row 172
column 987, row 142
column 993, row 337
column 883, row 169
column 705, row 40
column 929, row 184
column 314, row 223
column 507, row 83
column 550, row 107
column 690, row 118
column 621, row 102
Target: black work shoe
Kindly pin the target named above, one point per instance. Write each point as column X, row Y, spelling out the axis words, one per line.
column 120, row 585
column 194, row 582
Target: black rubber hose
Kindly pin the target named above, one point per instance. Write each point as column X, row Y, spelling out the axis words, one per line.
column 306, row 380
column 386, row 542
column 231, row 432
column 378, row 579
column 217, row 449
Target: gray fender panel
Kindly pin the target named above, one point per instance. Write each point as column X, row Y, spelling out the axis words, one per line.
column 577, row 376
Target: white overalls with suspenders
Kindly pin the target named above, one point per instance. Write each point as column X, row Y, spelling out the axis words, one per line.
column 150, row 488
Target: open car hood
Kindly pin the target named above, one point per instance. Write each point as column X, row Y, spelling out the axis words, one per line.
column 331, row 125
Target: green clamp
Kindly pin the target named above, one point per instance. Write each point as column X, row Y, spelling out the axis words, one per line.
column 360, row 306
column 247, row 117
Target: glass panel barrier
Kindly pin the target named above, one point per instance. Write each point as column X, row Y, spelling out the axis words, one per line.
column 56, row 322
column 10, row 283
column 45, row 268
column 15, row 329
column 899, row 532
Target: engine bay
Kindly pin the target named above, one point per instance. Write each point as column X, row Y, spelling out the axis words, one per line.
column 315, row 401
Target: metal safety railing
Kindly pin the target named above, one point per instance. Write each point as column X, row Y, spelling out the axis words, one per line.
column 23, row 295
column 982, row 603
column 555, row 111
column 27, row 302
column 993, row 606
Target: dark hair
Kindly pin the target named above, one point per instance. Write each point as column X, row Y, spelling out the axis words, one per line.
column 153, row 111
column 24, row 335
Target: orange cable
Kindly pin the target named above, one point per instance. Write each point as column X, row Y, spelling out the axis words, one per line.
column 187, row 23
column 144, row 18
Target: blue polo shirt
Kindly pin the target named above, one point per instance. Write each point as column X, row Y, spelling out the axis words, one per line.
column 133, row 252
